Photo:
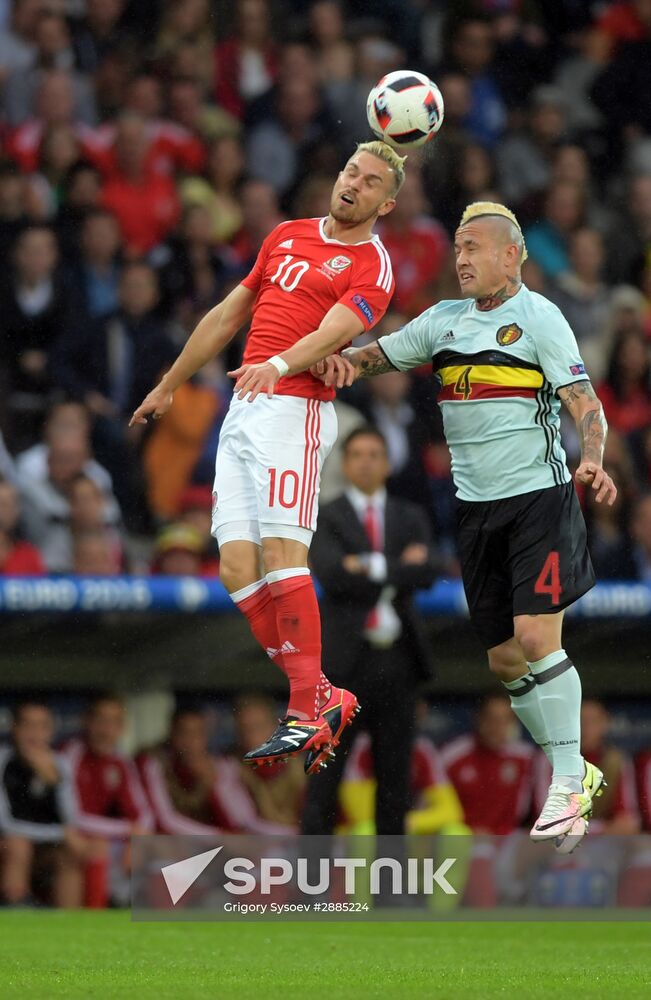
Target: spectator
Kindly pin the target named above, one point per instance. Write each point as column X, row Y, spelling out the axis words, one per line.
column 36, row 99
column 418, row 247
column 97, row 34
column 38, row 814
column 641, row 531
column 547, row 240
column 144, row 202
column 389, row 409
column 616, row 811
column 472, row 49
column 96, row 272
column 188, row 23
column 191, row 114
column 626, row 392
column 619, row 90
column 440, row 172
column 632, row 232
column 192, row 791
column 245, row 64
column 17, row 557
column 328, row 35
column 93, row 553
column 217, row 193
column 610, row 542
column 90, row 518
column 473, row 180
column 46, row 474
column 110, row 365
column 59, row 151
column 278, row 149
column 491, row 769
column 35, row 308
column 178, row 551
column 80, row 194
column 370, row 553
column 434, row 806
column 17, row 41
column 261, row 214
column 584, row 299
column 278, row 790
column 194, row 275
column 524, row 158
column 111, row 801
column 14, row 207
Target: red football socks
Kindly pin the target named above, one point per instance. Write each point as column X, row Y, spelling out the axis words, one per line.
column 288, row 607
column 257, row 604
column 299, row 633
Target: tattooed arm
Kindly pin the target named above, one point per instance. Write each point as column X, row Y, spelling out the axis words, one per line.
column 353, row 363
column 582, row 402
column 368, row 361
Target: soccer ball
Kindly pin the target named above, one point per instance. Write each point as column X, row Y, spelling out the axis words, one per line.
column 405, row 109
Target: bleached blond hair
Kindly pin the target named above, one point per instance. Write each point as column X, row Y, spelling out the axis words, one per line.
column 385, row 152
column 482, row 208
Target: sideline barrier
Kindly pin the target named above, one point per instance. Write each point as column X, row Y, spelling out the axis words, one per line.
column 68, row 594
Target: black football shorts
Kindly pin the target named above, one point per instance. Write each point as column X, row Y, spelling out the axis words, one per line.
column 523, row 555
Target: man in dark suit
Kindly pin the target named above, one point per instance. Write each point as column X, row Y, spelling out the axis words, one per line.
column 370, row 553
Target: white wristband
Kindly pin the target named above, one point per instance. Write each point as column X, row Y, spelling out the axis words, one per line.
column 281, row 366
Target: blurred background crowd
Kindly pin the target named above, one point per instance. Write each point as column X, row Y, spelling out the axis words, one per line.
column 146, row 151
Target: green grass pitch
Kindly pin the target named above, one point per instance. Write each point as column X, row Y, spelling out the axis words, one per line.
column 103, row 955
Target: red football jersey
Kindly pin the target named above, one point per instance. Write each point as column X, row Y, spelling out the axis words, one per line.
column 494, row 787
column 110, row 797
column 299, row 275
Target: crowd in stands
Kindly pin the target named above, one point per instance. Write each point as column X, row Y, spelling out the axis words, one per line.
column 146, row 150
column 66, row 814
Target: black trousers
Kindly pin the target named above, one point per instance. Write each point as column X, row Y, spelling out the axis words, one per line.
column 385, row 685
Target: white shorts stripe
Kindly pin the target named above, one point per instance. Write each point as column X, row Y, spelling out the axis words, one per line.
column 311, row 496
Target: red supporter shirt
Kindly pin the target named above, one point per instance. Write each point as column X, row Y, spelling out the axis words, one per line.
column 417, row 255
column 299, row 276
column 494, row 787
column 146, row 211
column 110, row 796
column 171, row 148
column 426, row 767
column 23, row 560
column 643, row 776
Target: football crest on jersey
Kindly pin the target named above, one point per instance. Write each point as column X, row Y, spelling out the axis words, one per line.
column 335, row 265
column 508, row 334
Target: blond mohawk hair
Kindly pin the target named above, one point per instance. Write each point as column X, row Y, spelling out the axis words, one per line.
column 385, row 152
column 479, row 208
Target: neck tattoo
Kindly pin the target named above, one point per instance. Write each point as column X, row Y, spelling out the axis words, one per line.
column 488, row 302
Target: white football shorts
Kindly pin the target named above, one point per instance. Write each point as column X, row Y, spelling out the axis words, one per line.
column 268, row 468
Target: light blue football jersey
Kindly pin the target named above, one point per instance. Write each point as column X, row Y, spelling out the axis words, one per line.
column 499, row 373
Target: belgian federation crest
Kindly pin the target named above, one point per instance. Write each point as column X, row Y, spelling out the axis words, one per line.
column 508, row 334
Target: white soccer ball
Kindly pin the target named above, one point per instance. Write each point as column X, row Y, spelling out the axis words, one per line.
column 405, row 109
